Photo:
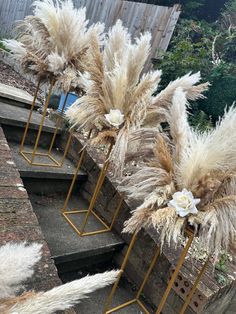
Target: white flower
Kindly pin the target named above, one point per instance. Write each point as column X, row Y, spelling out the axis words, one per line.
column 115, row 117
column 184, row 203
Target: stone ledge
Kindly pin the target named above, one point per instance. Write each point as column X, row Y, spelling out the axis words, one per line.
column 18, row 221
column 211, row 297
column 17, row 117
column 14, row 94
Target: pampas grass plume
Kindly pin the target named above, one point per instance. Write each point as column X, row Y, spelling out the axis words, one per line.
column 16, row 265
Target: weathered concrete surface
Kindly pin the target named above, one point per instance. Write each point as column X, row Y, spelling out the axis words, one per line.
column 124, row 293
column 41, row 172
column 210, row 297
column 63, row 241
column 16, row 116
column 18, row 221
column 17, row 96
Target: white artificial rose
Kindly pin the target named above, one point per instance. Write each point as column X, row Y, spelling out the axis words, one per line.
column 115, row 117
column 184, row 203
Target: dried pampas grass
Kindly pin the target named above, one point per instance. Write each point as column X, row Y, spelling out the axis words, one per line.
column 163, row 100
column 59, row 298
column 183, row 158
column 53, row 43
column 16, row 265
column 115, row 83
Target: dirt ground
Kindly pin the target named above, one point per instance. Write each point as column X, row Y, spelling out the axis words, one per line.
column 10, row 77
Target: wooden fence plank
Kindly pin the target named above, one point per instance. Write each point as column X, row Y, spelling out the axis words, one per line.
column 137, row 16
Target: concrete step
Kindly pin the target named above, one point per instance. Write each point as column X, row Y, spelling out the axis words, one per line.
column 13, row 121
column 70, row 251
column 95, row 303
column 16, row 96
column 17, row 116
column 66, row 172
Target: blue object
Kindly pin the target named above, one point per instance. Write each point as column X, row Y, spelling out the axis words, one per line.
column 71, row 98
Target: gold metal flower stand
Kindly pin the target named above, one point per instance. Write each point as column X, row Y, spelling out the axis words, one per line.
column 31, row 155
column 136, row 299
column 90, row 211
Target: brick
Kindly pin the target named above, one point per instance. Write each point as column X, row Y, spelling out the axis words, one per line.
column 13, row 192
column 18, row 223
column 210, row 292
column 20, row 233
column 10, row 181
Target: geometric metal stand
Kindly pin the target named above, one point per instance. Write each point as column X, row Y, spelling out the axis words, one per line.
column 30, row 156
column 136, row 299
column 162, row 303
column 90, row 211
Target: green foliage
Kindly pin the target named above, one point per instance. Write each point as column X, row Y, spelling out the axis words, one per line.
column 230, row 8
column 221, row 94
column 221, row 279
column 211, row 49
column 221, row 267
column 190, row 50
column 189, row 7
column 196, row 9
column 1, row 45
column 200, row 121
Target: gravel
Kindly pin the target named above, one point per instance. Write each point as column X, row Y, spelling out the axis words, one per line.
column 10, row 77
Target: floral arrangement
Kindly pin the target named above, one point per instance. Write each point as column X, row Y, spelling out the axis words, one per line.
column 53, row 43
column 188, row 178
column 16, row 265
column 118, row 98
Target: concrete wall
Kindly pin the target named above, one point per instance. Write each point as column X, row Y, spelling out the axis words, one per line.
column 18, row 221
column 211, row 297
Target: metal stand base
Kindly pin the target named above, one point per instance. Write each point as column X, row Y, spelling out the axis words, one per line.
column 181, row 260
column 67, row 214
column 29, row 156
column 90, row 211
column 55, row 163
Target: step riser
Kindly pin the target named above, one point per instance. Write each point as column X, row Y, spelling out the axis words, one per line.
column 15, row 134
column 50, row 186
column 89, row 263
column 16, row 103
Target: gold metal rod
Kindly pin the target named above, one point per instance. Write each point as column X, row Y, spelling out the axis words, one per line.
column 194, row 287
column 71, row 212
column 24, row 154
column 54, row 160
column 97, row 188
column 116, row 212
column 175, row 274
column 90, row 233
column 73, row 180
column 103, row 222
column 66, row 148
column 42, row 120
column 127, row 255
column 58, row 124
column 54, row 136
column 121, row 306
column 25, row 157
column 72, row 224
column 37, row 153
column 148, row 272
column 45, row 165
column 143, row 307
column 30, row 115
column 82, row 152
column 95, row 195
column 94, row 198
column 77, row 229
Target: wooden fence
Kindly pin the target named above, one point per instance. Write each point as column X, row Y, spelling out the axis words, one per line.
column 138, row 17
